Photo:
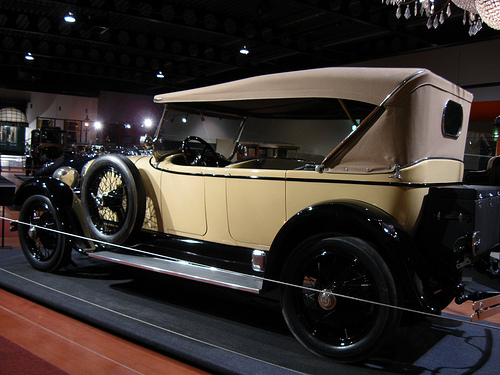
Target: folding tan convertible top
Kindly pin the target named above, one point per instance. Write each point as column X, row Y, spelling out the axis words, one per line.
column 407, row 129
column 370, row 85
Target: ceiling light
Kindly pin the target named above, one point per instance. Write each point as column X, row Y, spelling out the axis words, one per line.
column 70, row 18
column 184, row 119
column 244, row 50
column 98, row 125
column 148, row 123
column 489, row 10
column 160, row 75
column 29, row 56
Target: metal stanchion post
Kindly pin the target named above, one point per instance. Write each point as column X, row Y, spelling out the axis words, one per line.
column 3, row 230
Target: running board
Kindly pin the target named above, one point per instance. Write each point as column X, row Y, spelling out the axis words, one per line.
column 187, row 270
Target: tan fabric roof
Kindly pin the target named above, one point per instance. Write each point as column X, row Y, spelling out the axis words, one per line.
column 407, row 129
column 371, row 85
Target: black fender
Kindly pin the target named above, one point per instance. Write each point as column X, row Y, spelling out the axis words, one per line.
column 367, row 222
column 58, row 192
column 61, row 196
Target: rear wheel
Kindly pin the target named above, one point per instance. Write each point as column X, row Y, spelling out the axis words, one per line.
column 45, row 249
column 325, row 322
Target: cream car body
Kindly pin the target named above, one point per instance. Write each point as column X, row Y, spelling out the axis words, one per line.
column 382, row 215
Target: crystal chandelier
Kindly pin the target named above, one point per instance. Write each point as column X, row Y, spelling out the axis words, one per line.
column 475, row 11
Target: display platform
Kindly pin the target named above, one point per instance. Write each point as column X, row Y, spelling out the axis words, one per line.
column 231, row 332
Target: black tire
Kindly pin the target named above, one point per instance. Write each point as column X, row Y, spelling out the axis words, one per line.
column 45, row 250
column 113, row 199
column 345, row 329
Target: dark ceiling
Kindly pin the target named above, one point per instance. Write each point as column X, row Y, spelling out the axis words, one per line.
column 120, row 45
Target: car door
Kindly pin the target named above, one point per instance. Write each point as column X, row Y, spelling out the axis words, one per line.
column 255, row 204
column 183, row 199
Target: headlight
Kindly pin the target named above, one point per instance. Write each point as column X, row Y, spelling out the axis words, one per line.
column 67, row 175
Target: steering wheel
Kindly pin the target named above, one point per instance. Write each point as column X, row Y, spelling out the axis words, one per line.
column 206, row 156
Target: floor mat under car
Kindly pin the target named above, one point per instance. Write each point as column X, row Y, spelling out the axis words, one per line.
column 228, row 331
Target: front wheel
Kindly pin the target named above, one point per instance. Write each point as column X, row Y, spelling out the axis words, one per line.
column 45, row 249
column 325, row 322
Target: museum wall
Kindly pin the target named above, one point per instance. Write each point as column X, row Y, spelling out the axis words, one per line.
column 473, row 66
column 128, row 108
column 54, row 106
column 476, row 67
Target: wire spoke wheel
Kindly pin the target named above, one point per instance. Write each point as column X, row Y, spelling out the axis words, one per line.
column 42, row 240
column 150, row 219
column 328, row 312
column 113, row 199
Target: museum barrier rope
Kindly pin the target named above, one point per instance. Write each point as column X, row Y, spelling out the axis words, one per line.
column 403, row 309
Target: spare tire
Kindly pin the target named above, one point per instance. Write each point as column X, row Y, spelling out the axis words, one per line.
column 113, row 199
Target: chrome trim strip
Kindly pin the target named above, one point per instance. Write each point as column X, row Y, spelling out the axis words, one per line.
column 430, row 158
column 399, row 86
column 329, row 181
column 187, row 270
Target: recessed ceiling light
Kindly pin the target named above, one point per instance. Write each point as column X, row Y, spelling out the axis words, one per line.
column 70, row 18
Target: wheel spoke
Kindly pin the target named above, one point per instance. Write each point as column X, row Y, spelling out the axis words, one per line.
column 346, row 319
column 333, row 316
column 39, row 244
column 109, row 195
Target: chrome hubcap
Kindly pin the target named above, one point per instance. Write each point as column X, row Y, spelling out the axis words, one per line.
column 326, row 300
column 32, row 233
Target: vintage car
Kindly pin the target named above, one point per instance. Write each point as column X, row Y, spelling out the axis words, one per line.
column 368, row 218
column 47, row 144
